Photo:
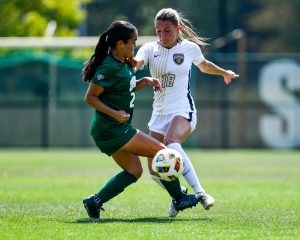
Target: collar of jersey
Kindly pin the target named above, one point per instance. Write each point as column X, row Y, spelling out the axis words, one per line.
column 116, row 59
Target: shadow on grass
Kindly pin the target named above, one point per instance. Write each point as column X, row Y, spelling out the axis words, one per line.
column 141, row 220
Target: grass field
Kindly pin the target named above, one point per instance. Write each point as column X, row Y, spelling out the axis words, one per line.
column 257, row 196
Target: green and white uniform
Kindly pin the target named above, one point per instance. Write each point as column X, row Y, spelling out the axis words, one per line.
column 119, row 83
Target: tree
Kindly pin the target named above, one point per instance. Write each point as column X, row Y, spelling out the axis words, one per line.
column 141, row 13
column 276, row 25
column 30, row 18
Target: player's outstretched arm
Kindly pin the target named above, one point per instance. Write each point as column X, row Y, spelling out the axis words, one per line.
column 211, row 68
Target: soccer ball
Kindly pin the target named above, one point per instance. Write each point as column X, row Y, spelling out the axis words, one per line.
column 167, row 164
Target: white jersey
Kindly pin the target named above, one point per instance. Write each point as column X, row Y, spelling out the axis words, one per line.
column 173, row 69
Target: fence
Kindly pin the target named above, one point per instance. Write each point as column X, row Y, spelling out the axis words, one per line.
column 41, row 98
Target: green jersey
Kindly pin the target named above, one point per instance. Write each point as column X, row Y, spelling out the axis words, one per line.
column 119, row 83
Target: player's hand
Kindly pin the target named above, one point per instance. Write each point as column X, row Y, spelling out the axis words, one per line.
column 132, row 61
column 122, row 116
column 229, row 76
column 153, row 82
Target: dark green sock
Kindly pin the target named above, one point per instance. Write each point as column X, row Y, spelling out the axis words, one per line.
column 173, row 188
column 115, row 185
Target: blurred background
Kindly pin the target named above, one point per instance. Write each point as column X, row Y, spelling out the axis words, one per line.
column 44, row 43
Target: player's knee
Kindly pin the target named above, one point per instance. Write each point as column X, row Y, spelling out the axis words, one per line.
column 168, row 141
column 137, row 172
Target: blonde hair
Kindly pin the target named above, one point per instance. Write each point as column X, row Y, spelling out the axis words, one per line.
column 186, row 28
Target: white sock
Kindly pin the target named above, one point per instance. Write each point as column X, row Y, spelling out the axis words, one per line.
column 156, row 179
column 188, row 173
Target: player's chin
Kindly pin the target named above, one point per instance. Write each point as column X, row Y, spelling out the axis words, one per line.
column 165, row 43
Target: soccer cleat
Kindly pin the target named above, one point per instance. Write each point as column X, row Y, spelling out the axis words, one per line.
column 186, row 201
column 92, row 205
column 206, row 200
column 172, row 211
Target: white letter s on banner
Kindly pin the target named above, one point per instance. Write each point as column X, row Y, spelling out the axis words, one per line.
column 277, row 82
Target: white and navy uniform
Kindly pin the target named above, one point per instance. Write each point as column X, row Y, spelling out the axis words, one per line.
column 173, row 69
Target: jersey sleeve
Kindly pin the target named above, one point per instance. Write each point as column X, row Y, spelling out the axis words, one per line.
column 197, row 55
column 143, row 54
column 102, row 76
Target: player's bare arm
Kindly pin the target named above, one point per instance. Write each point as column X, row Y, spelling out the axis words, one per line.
column 92, row 98
column 210, row 68
column 148, row 81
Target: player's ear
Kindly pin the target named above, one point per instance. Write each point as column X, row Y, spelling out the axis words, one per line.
column 178, row 28
column 119, row 44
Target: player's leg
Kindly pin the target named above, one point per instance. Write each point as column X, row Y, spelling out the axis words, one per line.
column 132, row 170
column 127, row 158
column 155, row 178
column 144, row 145
column 179, row 129
column 158, row 126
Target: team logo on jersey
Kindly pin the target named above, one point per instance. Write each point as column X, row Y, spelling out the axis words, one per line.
column 100, row 77
column 178, row 58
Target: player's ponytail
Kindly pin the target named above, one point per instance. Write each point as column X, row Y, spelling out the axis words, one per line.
column 101, row 51
column 186, row 32
column 186, row 29
column 118, row 30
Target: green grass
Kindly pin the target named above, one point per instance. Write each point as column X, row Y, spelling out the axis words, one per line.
column 257, row 197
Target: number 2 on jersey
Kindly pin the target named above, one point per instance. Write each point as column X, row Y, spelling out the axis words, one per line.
column 132, row 99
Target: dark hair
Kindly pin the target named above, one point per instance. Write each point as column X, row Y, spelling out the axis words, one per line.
column 186, row 28
column 118, row 30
